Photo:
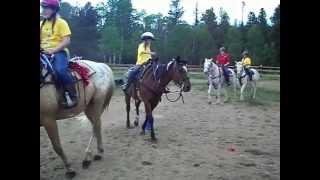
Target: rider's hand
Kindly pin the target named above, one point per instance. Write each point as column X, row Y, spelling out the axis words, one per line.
column 50, row 51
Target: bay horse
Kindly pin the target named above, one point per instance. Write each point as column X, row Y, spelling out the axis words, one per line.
column 216, row 79
column 93, row 98
column 151, row 87
column 244, row 79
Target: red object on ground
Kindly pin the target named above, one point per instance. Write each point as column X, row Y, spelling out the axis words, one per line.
column 82, row 71
column 232, row 148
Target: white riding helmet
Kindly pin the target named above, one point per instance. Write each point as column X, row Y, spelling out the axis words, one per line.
column 147, row 35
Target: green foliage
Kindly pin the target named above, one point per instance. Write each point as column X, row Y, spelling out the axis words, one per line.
column 110, row 32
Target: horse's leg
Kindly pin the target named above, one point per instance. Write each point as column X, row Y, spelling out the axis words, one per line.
column 242, row 90
column 234, row 87
column 209, row 93
column 226, row 98
column 143, row 127
column 254, row 89
column 149, row 117
column 153, row 106
column 137, row 103
column 52, row 130
column 94, row 112
column 218, row 93
column 127, row 98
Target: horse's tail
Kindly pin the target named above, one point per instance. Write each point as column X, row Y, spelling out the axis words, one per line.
column 108, row 99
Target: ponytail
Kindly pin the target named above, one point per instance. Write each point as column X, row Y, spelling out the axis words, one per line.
column 53, row 18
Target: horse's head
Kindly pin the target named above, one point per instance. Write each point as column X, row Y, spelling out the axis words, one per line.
column 207, row 65
column 179, row 71
column 238, row 67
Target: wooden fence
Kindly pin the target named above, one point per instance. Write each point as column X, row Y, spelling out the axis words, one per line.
column 197, row 68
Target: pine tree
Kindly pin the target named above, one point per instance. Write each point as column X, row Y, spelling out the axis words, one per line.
column 175, row 13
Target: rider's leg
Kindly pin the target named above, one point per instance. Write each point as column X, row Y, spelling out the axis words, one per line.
column 226, row 75
column 60, row 64
column 247, row 70
column 131, row 76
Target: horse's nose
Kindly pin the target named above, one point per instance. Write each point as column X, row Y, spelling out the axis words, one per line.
column 187, row 88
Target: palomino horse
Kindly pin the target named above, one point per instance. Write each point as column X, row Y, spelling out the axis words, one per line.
column 216, row 79
column 152, row 86
column 244, row 79
column 92, row 100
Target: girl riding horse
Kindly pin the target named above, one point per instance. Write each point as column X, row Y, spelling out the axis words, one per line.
column 144, row 55
column 54, row 38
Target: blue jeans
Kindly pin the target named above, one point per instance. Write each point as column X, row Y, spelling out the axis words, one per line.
column 133, row 73
column 248, row 72
column 225, row 71
column 60, row 65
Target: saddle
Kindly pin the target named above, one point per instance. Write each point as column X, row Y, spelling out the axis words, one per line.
column 78, row 72
column 157, row 70
column 244, row 75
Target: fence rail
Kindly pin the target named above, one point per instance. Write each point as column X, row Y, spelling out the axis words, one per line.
column 197, row 68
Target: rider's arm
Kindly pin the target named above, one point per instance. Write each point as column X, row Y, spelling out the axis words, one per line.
column 64, row 43
column 64, row 32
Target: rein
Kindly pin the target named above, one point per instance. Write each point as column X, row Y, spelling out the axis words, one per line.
column 175, row 100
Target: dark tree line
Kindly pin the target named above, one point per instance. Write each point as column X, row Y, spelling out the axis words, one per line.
column 110, row 32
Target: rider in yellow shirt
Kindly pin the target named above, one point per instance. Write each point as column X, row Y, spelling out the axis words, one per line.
column 246, row 63
column 143, row 56
column 54, row 38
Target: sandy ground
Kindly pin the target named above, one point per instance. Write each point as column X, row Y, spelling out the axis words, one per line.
column 195, row 141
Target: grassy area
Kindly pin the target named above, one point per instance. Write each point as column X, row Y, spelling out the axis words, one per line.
column 268, row 91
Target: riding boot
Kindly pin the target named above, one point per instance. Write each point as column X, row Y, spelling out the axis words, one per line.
column 228, row 81
column 70, row 95
column 126, row 85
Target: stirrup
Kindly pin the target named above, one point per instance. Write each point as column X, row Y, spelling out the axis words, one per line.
column 69, row 106
column 70, row 102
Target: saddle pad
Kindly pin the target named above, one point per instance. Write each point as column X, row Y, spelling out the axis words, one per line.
column 83, row 71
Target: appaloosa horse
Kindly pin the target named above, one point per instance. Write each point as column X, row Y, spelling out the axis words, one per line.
column 244, row 79
column 152, row 85
column 93, row 98
column 216, row 79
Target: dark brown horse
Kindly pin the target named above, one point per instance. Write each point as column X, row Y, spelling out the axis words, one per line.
column 153, row 84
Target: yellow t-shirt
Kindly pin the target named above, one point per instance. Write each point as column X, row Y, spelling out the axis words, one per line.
column 142, row 56
column 60, row 30
column 246, row 61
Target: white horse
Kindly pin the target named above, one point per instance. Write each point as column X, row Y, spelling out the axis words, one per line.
column 216, row 79
column 244, row 79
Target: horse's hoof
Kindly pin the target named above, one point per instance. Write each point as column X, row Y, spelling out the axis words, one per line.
column 136, row 123
column 209, row 102
column 70, row 174
column 86, row 164
column 97, row 157
column 154, row 140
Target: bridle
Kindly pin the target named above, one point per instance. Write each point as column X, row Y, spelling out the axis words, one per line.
column 167, row 90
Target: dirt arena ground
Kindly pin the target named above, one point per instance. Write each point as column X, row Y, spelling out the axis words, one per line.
column 233, row 141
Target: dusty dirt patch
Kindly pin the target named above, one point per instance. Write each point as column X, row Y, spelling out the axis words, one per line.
column 194, row 143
